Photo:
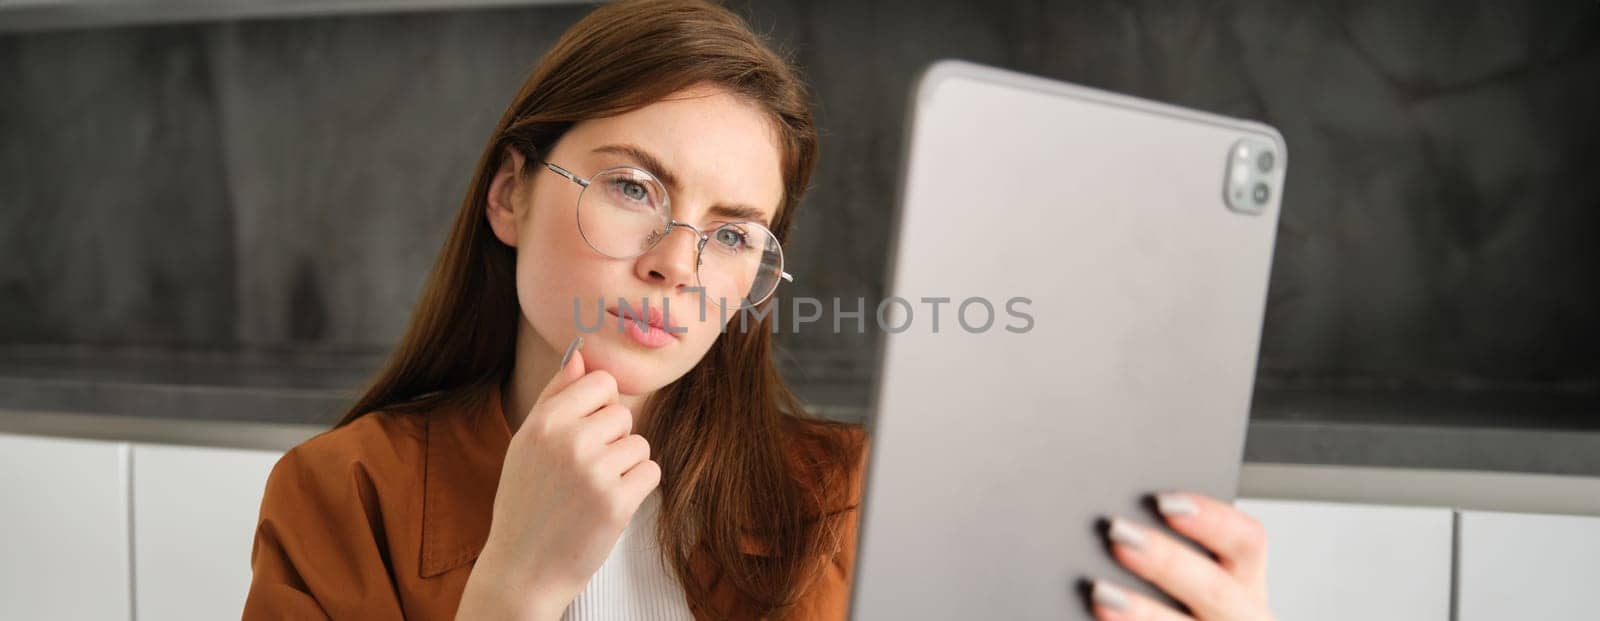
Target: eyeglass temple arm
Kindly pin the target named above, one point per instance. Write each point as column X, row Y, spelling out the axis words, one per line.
column 787, row 276
column 568, row 174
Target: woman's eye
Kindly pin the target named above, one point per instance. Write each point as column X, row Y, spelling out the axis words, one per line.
column 731, row 238
column 633, row 190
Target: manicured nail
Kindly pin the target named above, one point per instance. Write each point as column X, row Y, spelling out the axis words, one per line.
column 1126, row 533
column 1104, row 594
column 1175, row 505
column 577, row 342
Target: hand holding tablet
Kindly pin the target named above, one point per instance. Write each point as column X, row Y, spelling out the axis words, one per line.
column 1231, row 587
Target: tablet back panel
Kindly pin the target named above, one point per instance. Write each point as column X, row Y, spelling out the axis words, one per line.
column 995, row 452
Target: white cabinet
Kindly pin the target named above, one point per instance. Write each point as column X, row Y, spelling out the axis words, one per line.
column 1527, row 566
column 1335, row 561
column 194, row 518
column 63, row 529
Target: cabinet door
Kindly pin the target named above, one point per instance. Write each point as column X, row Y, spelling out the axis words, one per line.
column 64, row 529
column 1527, row 566
column 194, row 518
column 1335, row 561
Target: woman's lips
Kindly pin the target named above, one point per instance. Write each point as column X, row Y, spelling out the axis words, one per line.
column 651, row 334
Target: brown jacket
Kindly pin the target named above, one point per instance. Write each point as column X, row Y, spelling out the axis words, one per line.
column 383, row 518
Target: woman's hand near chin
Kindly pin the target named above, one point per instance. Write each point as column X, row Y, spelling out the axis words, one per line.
column 1233, row 587
column 573, row 477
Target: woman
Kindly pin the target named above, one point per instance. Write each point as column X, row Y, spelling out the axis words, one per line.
column 547, row 443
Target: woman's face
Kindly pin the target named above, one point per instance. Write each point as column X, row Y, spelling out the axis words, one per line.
column 722, row 152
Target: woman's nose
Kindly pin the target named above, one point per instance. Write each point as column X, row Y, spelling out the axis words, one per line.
column 673, row 260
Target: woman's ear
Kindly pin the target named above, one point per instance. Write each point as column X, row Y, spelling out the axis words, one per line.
column 503, row 208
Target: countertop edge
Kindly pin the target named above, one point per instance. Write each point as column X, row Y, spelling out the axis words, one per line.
column 150, row 430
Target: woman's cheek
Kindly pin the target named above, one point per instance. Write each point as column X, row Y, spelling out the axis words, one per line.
column 549, row 304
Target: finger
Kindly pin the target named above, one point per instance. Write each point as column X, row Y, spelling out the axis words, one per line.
column 591, row 392
column 568, row 370
column 605, row 425
column 639, row 480
column 1113, row 603
column 1238, row 540
column 1187, row 575
column 624, row 454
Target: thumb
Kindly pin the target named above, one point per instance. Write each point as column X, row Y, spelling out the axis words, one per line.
column 572, row 368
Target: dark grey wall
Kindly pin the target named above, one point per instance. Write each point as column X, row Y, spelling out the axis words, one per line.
column 287, row 183
column 275, row 183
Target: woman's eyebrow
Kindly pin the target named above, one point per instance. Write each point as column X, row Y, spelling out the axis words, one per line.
column 653, row 165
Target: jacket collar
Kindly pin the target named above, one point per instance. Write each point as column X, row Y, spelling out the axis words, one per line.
column 465, row 453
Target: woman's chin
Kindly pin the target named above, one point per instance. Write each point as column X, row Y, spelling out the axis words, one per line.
column 637, row 372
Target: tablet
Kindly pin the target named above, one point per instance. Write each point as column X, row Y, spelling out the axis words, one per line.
column 1074, row 303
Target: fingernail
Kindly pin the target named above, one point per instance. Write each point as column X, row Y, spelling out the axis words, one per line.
column 1175, row 505
column 1104, row 594
column 1126, row 534
column 577, row 342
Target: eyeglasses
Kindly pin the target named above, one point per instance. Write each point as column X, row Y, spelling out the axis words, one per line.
column 623, row 212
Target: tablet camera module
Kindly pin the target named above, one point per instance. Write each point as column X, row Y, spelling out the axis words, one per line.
column 1248, row 173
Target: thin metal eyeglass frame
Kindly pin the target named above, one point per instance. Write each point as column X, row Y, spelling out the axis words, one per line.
column 701, row 237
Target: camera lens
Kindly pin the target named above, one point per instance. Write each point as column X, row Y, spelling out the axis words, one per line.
column 1260, row 193
column 1264, row 161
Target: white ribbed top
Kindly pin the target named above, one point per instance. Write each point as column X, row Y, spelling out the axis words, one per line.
column 634, row 582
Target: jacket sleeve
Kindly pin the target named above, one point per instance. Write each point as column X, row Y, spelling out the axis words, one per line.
column 319, row 550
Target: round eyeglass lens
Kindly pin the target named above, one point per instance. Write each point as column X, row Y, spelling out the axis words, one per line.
column 621, row 211
column 740, row 264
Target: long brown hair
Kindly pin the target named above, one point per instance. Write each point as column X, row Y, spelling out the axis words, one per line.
column 727, row 432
